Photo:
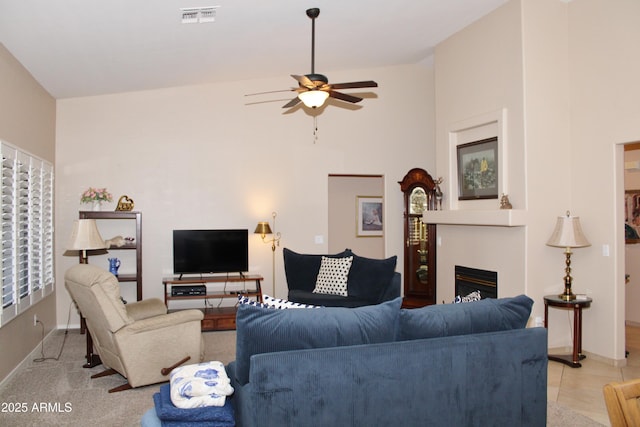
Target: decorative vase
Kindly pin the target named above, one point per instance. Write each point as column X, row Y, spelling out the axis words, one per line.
column 114, row 264
column 97, row 206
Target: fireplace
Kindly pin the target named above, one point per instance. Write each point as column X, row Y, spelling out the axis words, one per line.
column 472, row 279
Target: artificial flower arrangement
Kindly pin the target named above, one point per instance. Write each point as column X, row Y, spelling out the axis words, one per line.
column 92, row 195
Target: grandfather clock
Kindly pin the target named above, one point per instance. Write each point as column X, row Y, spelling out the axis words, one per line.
column 419, row 239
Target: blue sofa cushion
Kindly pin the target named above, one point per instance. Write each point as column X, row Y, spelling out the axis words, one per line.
column 301, row 270
column 369, row 278
column 261, row 330
column 487, row 315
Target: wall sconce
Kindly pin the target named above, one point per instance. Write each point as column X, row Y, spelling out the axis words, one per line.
column 263, row 229
column 568, row 234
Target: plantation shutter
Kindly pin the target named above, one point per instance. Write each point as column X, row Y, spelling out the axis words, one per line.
column 46, row 227
column 27, row 231
column 22, row 225
column 8, row 232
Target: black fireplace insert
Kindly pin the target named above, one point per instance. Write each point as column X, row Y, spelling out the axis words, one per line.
column 470, row 279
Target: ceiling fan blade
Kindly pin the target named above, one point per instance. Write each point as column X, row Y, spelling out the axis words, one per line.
column 292, row 103
column 304, row 81
column 270, row 91
column 354, row 85
column 344, row 96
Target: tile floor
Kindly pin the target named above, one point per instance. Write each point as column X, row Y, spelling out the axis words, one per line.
column 581, row 388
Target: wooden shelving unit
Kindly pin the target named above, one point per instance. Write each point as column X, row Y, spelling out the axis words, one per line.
column 135, row 246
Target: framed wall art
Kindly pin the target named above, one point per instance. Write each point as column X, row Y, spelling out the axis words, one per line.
column 369, row 220
column 478, row 169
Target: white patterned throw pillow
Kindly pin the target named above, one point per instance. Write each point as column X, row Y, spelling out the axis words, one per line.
column 333, row 274
column 473, row 296
column 271, row 302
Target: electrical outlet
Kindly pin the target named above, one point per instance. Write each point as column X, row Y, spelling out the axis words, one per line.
column 35, row 320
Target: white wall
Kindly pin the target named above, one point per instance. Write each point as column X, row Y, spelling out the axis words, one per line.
column 565, row 76
column 548, row 158
column 479, row 87
column 604, row 113
column 208, row 157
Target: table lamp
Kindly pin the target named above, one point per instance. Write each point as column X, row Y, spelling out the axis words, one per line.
column 85, row 236
column 568, row 234
column 263, row 229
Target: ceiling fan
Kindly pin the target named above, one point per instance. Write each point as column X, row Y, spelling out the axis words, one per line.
column 314, row 89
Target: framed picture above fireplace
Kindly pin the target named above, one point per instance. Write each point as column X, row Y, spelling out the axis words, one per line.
column 478, row 169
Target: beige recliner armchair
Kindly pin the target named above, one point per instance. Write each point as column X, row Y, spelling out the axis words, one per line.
column 139, row 340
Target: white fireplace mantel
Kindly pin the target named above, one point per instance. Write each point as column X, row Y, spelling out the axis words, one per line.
column 494, row 217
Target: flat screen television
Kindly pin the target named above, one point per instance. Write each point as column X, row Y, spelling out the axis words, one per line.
column 210, row 251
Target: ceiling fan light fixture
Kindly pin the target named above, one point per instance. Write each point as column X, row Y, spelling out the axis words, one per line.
column 313, row 98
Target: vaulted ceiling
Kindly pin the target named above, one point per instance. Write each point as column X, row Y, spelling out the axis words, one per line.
column 89, row 47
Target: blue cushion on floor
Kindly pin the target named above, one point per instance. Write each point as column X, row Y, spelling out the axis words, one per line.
column 169, row 414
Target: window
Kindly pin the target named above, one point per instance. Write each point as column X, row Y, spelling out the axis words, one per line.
column 27, row 231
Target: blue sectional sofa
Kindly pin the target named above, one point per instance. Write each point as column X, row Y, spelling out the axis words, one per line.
column 472, row 364
column 370, row 281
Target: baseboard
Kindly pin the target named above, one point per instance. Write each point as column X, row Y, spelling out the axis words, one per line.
column 598, row 358
column 613, row 362
column 70, row 327
column 28, row 358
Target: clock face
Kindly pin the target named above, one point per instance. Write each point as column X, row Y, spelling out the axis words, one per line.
column 417, row 201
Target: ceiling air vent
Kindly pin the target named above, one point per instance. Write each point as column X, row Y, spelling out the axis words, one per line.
column 198, row 15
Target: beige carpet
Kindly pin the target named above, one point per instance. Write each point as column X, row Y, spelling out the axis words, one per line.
column 60, row 393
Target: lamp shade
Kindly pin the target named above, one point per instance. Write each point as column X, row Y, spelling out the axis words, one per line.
column 263, row 228
column 568, row 233
column 85, row 236
column 313, row 98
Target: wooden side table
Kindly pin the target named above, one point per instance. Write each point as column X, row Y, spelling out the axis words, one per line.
column 577, row 305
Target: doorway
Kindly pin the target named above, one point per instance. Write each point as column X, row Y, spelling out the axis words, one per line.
column 345, row 191
column 632, row 230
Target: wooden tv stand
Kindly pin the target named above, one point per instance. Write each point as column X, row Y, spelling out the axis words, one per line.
column 215, row 318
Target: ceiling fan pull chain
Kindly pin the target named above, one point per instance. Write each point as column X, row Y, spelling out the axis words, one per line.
column 315, row 129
